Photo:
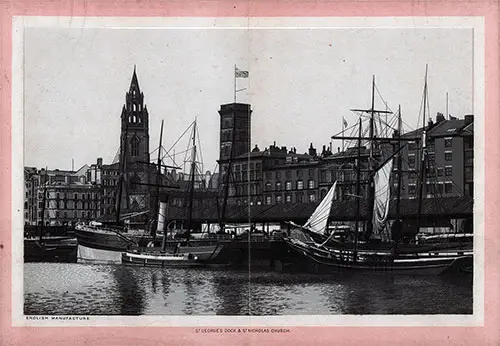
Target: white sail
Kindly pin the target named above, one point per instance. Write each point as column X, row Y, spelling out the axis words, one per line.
column 382, row 186
column 319, row 219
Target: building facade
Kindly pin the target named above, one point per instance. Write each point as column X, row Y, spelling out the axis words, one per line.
column 292, row 180
column 276, row 175
column 448, row 169
column 58, row 197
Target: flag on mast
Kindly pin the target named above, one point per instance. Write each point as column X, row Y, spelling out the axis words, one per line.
column 345, row 122
column 240, row 73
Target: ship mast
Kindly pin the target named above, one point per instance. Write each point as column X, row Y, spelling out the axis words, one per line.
column 398, row 198
column 423, row 157
column 371, row 192
column 358, row 193
column 158, row 178
column 192, row 180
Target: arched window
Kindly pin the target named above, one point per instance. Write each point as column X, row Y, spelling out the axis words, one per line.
column 134, row 145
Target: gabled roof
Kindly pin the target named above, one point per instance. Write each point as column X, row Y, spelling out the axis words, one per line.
column 447, row 128
column 83, row 170
column 444, row 128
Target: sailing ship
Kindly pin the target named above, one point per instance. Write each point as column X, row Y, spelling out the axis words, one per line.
column 184, row 252
column 323, row 253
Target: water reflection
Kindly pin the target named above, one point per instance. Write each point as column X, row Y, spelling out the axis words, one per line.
column 131, row 295
column 231, row 293
column 118, row 290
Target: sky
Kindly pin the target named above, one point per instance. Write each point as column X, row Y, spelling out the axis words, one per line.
column 302, row 82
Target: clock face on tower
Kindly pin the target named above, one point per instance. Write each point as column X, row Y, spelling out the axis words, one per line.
column 137, row 201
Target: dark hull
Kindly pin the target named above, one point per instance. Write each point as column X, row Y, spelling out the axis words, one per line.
column 319, row 260
column 62, row 250
column 203, row 253
column 105, row 245
column 111, row 241
column 402, row 248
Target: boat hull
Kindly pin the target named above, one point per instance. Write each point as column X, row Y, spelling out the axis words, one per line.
column 94, row 255
column 317, row 260
column 151, row 257
column 62, row 250
column 202, row 252
column 103, row 246
column 160, row 261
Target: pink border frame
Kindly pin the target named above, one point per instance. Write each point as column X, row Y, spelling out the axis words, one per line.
column 488, row 334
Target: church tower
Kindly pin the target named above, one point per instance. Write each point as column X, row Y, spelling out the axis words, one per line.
column 134, row 150
column 135, row 125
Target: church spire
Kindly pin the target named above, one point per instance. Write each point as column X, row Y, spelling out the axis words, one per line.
column 134, row 83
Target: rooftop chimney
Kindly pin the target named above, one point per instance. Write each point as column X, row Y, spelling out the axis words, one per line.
column 312, row 150
column 469, row 119
column 439, row 117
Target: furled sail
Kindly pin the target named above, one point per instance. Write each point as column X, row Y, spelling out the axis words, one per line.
column 382, row 186
column 318, row 221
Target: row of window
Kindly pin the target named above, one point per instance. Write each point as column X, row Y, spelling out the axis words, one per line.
column 432, row 188
column 448, row 143
column 69, row 205
column 299, row 185
column 243, row 176
column 432, row 171
column 254, row 166
column 70, row 195
column 344, row 175
column 135, row 107
column 431, row 158
column 239, row 190
column 110, row 182
column 110, row 172
column 288, row 174
column 439, row 171
column 299, row 198
column 70, row 214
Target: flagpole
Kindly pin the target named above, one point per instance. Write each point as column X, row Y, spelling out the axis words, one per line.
column 343, row 130
column 234, row 83
column 447, row 113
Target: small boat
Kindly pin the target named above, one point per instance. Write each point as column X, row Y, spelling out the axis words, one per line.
column 162, row 259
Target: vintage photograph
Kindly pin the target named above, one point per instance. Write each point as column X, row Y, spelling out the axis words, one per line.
column 234, row 169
